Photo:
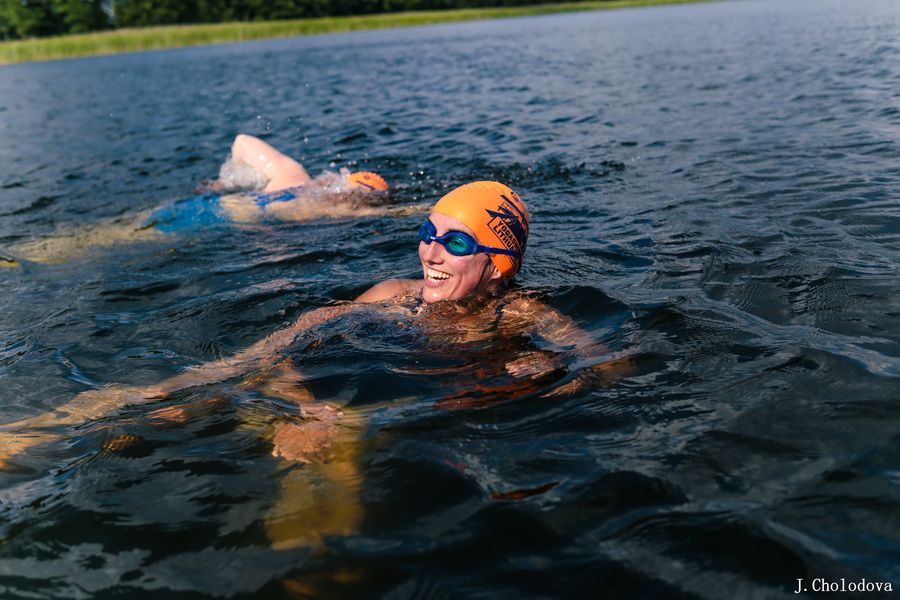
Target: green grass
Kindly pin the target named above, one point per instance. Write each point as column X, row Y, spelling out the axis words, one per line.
column 151, row 38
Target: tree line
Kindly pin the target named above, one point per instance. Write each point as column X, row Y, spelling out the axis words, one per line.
column 38, row 18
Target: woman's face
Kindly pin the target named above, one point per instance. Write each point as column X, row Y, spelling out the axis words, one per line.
column 448, row 277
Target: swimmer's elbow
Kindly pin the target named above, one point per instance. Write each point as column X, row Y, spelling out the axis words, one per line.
column 251, row 150
column 240, row 142
column 243, row 140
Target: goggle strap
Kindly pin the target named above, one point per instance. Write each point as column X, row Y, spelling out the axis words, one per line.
column 505, row 252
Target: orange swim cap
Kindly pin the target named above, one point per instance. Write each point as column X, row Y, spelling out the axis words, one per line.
column 369, row 181
column 495, row 214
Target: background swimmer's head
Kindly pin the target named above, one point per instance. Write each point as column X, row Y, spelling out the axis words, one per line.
column 368, row 181
column 497, row 217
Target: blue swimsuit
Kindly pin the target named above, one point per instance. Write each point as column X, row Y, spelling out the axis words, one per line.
column 202, row 210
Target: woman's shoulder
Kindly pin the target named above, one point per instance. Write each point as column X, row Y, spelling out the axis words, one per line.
column 390, row 288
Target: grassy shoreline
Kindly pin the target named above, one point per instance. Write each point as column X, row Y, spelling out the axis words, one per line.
column 177, row 36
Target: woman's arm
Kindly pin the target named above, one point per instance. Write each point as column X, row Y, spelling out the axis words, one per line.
column 96, row 403
column 243, row 361
column 564, row 333
column 548, row 323
column 281, row 171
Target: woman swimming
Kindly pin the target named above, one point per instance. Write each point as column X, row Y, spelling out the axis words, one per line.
column 257, row 183
column 470, row 247
column 355, row 192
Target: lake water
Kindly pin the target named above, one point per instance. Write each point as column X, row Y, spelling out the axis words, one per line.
column 715, row 193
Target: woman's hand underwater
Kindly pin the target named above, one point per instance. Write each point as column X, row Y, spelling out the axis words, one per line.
column 534, row 364
column 13, row 443
column 305, row 442
column 18, row 437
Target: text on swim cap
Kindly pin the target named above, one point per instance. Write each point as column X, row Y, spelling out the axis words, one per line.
column 509, row 224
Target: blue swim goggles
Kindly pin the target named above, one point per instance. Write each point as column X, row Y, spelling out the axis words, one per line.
column 458, row 243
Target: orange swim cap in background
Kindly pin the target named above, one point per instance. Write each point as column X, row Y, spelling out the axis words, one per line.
column 495, row 214
column 369, row 181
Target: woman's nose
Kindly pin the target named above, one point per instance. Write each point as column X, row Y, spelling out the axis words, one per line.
column 432, row 252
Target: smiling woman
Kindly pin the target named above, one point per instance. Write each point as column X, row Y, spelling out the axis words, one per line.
column 471, row 255
column 470, row 247
column 451, row 277
column 479, row 232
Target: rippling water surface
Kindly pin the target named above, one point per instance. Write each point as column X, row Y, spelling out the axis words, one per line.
column 714, row 192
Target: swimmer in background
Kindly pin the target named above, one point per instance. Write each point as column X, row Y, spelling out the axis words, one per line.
column 284, row 192
column 470, row 247
column 273, row 187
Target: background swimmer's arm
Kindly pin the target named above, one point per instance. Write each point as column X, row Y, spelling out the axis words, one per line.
column 388, row 289
column 280, row 170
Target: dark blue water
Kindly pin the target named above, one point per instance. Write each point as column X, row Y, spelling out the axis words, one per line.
column 714, row 192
